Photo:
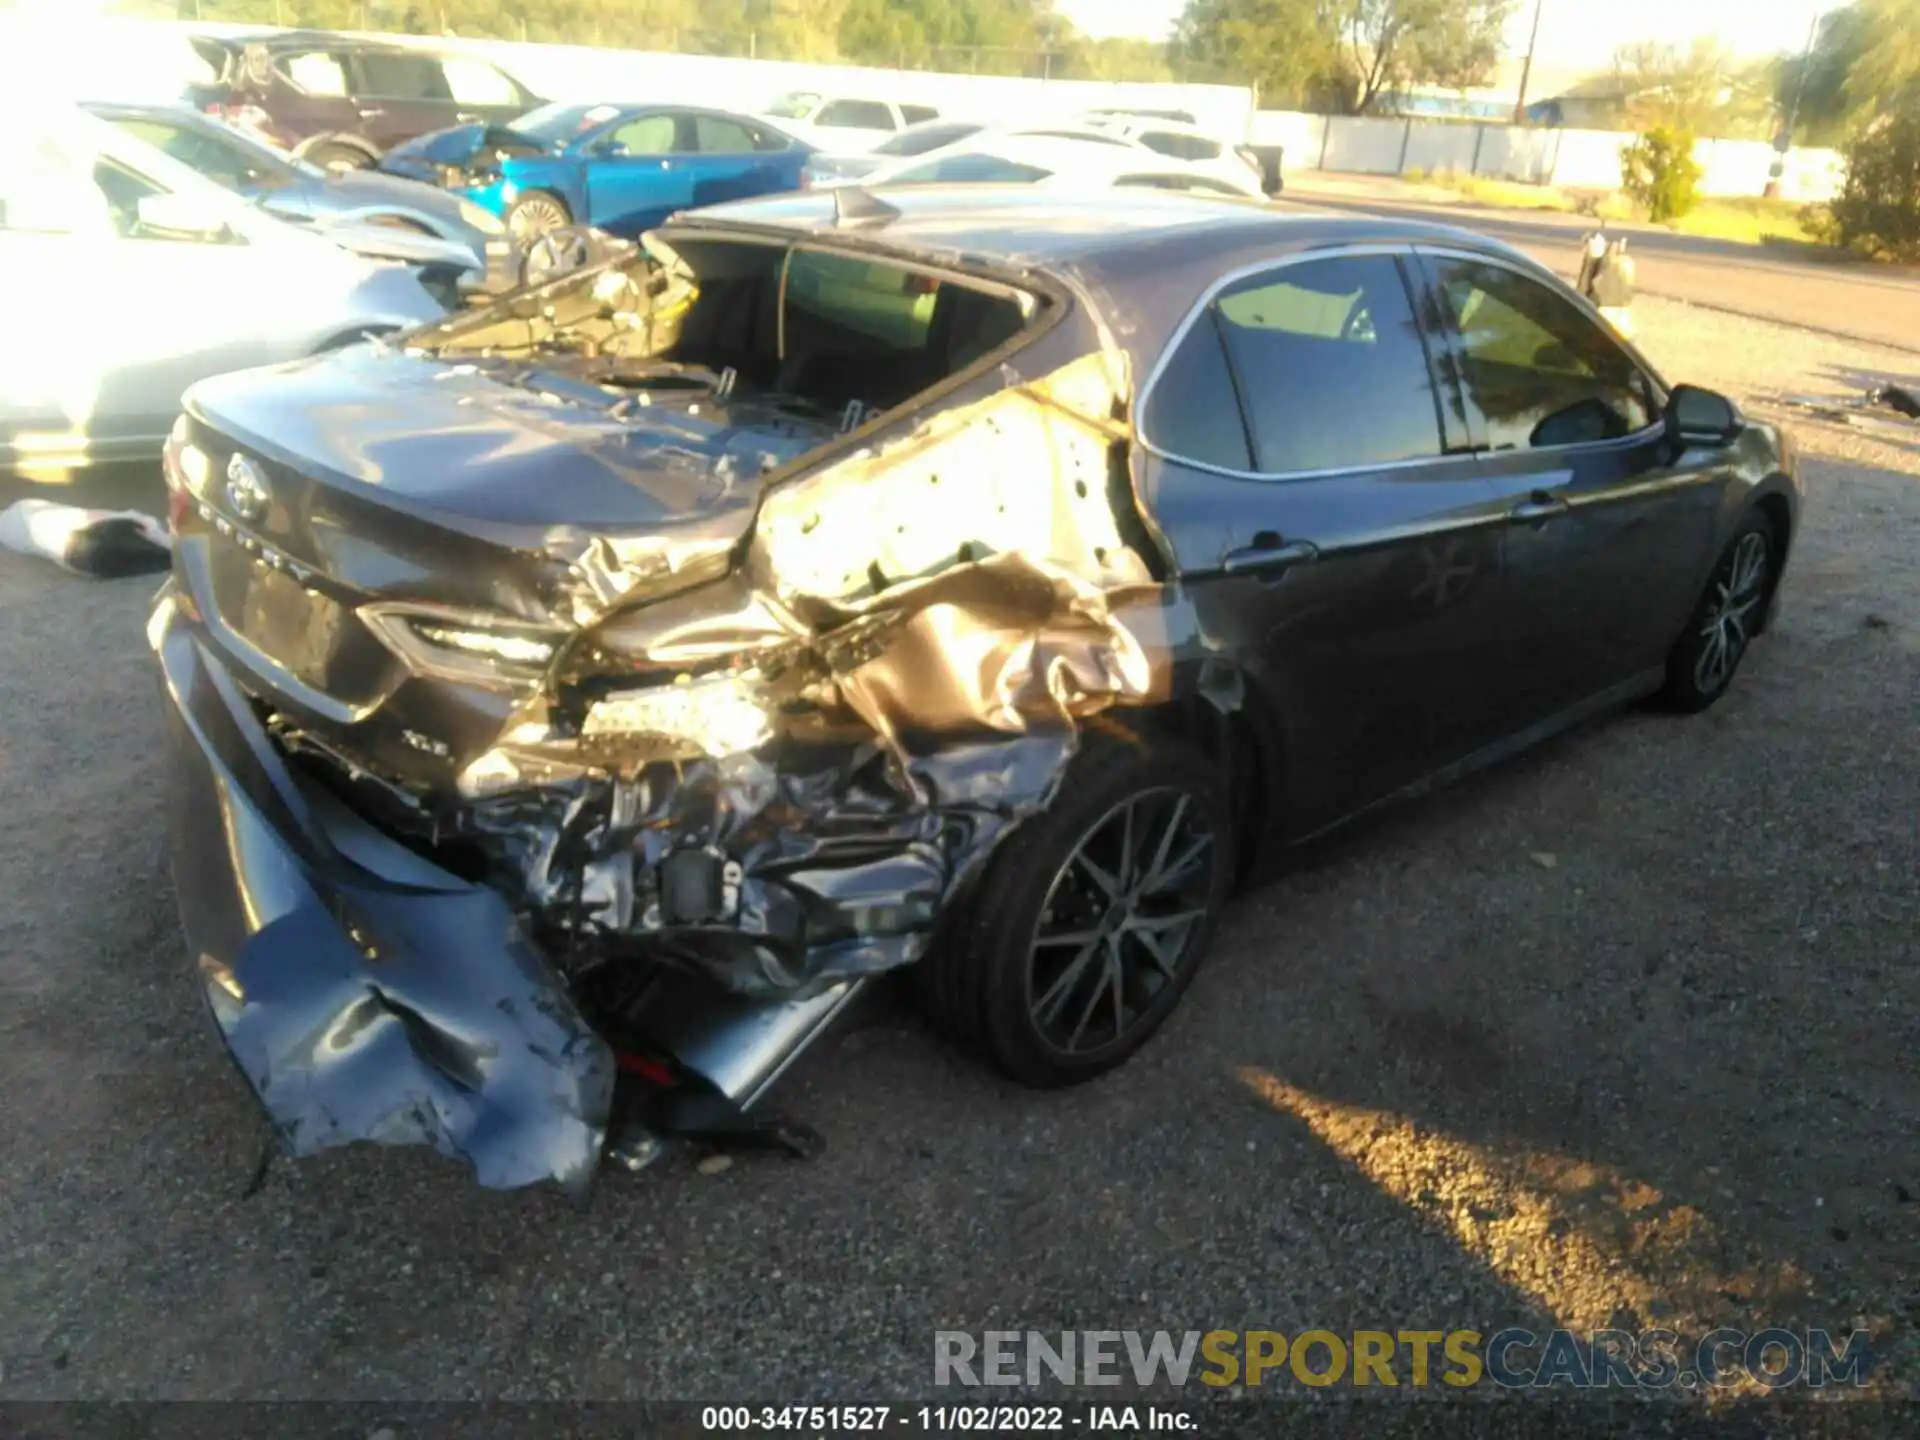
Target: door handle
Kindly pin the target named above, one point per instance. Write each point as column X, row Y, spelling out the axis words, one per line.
column 1268, row 553
column 370, row 112
column 468, row 117
column 1538, row 507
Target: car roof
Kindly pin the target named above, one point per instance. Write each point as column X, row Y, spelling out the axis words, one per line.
column 1146, row 256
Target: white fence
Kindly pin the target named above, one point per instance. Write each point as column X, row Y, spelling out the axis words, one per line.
column 1571, row 159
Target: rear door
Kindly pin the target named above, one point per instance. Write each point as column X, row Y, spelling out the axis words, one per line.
column 639, row 172
column 399, row 94
column 1608, row 532
column 1326, row 511
column 729, row 159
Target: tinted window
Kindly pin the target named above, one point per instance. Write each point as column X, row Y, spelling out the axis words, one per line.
column 1181, row 147
column 230, row 165
column 1192, row 412
column 1192, row 184
column 924, row 138
column 1330, row 366
column 648, row 135
column 918, row 114
column 1540, row 371
column 717, row 135
column 856, row 115
column 388, row 76
column 474, row 82
column 973, row 169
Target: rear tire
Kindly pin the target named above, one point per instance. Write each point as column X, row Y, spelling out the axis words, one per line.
column 1706, row 657
column 1088, row 925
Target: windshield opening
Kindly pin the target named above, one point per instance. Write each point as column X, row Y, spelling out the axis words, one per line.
column 558, row 123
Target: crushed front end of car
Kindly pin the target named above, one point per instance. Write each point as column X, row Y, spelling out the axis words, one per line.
column 594, row 692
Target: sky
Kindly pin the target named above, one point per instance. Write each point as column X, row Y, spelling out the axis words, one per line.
column 1572, row 32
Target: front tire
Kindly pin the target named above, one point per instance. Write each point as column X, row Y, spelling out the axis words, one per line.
column 537, row 213
column 1092, row 919
column 1703, row 662
column 333, row 155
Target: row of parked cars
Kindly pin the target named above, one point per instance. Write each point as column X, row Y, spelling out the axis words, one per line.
column 427, row 179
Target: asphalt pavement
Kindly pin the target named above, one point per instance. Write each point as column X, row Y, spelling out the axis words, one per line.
column 1835, row 295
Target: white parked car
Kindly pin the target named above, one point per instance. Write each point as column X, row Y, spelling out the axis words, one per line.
column 1057, row 162
column 844, row 123
column 125, row 277
column 1185, row 143
column 829, row 167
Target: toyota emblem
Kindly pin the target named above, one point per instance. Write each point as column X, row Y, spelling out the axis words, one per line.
column 247, row 492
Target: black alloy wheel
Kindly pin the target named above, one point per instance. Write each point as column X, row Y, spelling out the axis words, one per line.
column 1093, row 917
column 1703, row 662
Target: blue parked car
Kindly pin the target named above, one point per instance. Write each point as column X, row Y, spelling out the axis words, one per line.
column 621, row 168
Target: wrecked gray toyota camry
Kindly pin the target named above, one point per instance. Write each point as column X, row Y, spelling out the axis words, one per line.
column 596, row 690
column 578, row 700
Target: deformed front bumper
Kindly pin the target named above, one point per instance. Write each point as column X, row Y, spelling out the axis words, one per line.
column 365, row 993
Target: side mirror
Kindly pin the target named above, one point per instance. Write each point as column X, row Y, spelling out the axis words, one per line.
column 182, row 217
column 1701, row 417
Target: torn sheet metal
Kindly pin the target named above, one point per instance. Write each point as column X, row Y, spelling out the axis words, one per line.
column 823, row 749
column 365, row 994
column 899, row 748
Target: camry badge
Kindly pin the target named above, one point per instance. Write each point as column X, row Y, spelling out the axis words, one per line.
column 247, row 490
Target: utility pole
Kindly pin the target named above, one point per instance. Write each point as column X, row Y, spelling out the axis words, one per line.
column 1526, row 66
column 1784, row 141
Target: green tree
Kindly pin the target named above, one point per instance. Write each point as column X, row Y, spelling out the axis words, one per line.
column 1704, row 88
column 1659, row 172
column 1878, row 209
column 1288, row 49
column 1392, row 44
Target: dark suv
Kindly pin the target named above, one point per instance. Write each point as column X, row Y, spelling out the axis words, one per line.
column 343, row 102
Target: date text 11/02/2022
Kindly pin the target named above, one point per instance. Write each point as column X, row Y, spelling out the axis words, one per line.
column 941, row 1419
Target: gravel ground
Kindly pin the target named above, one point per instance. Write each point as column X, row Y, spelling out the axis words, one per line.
column 1622, row 1032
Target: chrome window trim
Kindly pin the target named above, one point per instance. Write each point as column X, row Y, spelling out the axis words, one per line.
column 1519, row 265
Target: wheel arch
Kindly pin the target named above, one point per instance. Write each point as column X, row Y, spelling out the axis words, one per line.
column 345, row 138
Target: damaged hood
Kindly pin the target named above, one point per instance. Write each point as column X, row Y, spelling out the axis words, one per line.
column 455, row 147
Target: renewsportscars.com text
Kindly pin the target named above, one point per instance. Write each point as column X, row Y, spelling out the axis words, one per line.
column 1512, row 1358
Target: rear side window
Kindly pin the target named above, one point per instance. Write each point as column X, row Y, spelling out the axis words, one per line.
column 972, row 169
column 386, row 76
column 474, row 82
column 918, row 142
column 1189, row 184
column 1540, row 372
column 856, row 115
column 1181, row 147
column 1330, row 366
column 1192, row 413
column 918, row 114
